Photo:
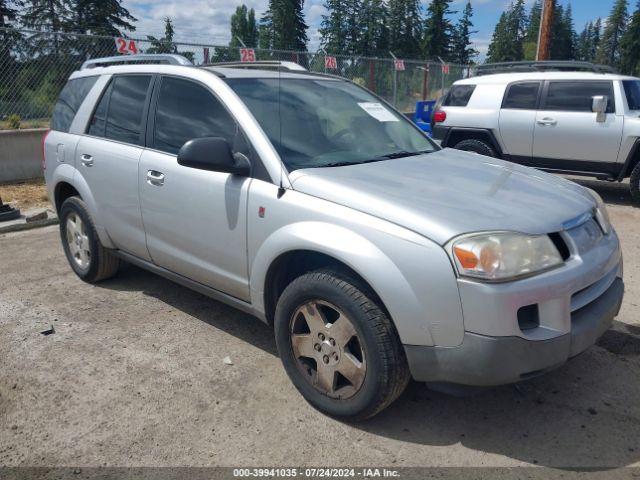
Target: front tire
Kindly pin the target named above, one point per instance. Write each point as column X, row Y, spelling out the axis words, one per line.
column 634, row 184
column 338, row 346
column 86, row 255
column 476, row 146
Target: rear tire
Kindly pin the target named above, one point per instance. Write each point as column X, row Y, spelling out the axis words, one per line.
column 477, row 146
column 319, row 353
column 86, row 255
column 634, row 184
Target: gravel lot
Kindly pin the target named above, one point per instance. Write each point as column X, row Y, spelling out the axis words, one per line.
column 134, row 376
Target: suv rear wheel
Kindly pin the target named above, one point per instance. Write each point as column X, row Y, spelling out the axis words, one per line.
column 338, row 346
column 634, row 183
column 477, row 146
column 86, row 255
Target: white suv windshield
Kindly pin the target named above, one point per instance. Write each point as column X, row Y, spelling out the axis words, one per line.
column 324, row 123
column 632, row 90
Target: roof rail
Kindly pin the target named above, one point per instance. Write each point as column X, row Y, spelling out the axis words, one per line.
column 260, row 64
column 168, row 58
column 551, row 65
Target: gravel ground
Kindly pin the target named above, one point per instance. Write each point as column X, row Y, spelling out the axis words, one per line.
column 134, row 376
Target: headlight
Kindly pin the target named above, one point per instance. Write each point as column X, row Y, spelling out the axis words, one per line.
column 602, row 216
column 504, row 255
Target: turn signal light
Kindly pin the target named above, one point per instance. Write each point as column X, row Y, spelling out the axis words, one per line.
column 439, row 116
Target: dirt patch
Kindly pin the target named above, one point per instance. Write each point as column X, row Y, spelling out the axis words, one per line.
column 24, row 195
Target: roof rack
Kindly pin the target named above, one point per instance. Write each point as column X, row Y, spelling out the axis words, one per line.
column 552, row 65
column 166, row 58
column 260, row 64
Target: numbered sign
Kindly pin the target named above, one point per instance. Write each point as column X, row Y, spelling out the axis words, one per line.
column 247, row 55
column 330, row 62
column 399, row 64
column 126, row 46
column 445, row 68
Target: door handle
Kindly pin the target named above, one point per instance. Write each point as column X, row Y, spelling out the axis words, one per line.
column 547, row 121
column 87, row 160
column 155, row 178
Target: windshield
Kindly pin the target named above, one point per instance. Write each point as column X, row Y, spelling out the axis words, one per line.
column 326, row 123
column 632, row 90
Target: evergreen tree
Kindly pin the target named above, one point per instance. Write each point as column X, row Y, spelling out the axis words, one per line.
column 243, row 27
column 630, row 46
column 596, row 37
column 283, row 27
column 609, row 48
column 462, row 49
column 584, row 44
column 374, row 35
column 47, row 16
column 102, row 17
column 8, row 40
column 405, row 29
column 507, row 43
column 339, row 29
column 530, row 45
column 563, row 36
column 164, row 44
column 438, row 30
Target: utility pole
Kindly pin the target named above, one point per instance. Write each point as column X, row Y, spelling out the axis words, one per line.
column 544, row 35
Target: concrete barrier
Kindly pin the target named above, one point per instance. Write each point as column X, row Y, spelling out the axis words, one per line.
column 21, row 154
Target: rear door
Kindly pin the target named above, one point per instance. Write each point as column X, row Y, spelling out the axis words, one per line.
column 195, row 220
column 518, row 119
column 108, row 156
column 567, row 135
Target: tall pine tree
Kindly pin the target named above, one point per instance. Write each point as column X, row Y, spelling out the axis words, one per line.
column 609, row 49
column 630, row 46
column 374, row 34
column 507, row 43
column 244, row 28
column 563, row 36
column 462, row 50
column 405, row 29
column 339, row 28
column 51, row 16
column 102, row 17
column 438, row 30
column 530, row 45
column 283, row 27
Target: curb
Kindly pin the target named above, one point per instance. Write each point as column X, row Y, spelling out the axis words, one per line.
column 19, row 227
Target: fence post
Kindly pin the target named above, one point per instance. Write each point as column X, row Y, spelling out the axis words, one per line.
column 425, row 81
column 372, row 76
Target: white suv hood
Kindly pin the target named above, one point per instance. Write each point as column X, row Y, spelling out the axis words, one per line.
column 447, row 193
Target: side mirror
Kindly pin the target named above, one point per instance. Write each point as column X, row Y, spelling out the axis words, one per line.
column 599, row 106
column 213, row 154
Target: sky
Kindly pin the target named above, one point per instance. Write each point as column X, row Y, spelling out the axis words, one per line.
column 207, row 21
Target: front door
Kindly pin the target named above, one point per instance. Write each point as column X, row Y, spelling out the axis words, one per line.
column 108, row 157
column 567, row 135
column 195, row 220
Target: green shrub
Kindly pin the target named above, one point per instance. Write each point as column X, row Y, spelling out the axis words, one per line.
column 14, row 122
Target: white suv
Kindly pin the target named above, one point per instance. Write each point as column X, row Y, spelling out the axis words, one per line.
column 583, row 123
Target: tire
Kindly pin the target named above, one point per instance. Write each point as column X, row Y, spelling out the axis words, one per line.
column 86, row 255
column 634, row 183
column 477, row 146
column 332, row 296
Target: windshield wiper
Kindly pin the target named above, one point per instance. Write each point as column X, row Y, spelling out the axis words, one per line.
column 381, row 158
column 404, row 153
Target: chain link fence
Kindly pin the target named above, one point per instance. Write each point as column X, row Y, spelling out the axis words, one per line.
column 34, row 67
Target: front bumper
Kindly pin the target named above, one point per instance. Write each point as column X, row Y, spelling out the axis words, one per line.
column 483, row 360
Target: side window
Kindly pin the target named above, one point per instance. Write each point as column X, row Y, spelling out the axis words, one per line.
column 577, row 96
column 522, row 96
column 69, row 101
column 185, row 111
column 99, row 119
column 459, row 96
column 126, row 107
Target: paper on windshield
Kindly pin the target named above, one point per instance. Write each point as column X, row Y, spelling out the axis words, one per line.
column 377, row 111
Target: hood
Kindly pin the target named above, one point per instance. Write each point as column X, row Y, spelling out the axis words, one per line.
column 450, row 192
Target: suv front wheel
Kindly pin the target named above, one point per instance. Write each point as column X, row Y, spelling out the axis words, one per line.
column 338, row 346
column 86, row 255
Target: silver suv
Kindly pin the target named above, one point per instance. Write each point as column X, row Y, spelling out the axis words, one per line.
column 312, row 204
column 577, row 122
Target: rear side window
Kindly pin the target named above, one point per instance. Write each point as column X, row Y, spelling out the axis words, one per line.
column 118, row 116
column 459, row 96
column 632, row 91
column 577, row 96
column 522, row 96
column 71, row 97
column 185, row 111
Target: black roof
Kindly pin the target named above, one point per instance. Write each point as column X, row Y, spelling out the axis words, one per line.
column 551, row 65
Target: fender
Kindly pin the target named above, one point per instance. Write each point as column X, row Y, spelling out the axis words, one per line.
column 405, row 305
column 67, row 173
column 473, row 131
column 625, row 171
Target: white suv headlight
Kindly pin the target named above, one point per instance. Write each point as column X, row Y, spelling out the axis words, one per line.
column 503, row 256
column 601, row 214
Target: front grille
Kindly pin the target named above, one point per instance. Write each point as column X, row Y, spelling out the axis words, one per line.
column 590, row 294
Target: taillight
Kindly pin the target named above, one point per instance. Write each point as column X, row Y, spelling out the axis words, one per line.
column 44, row 160
column 439, row 116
